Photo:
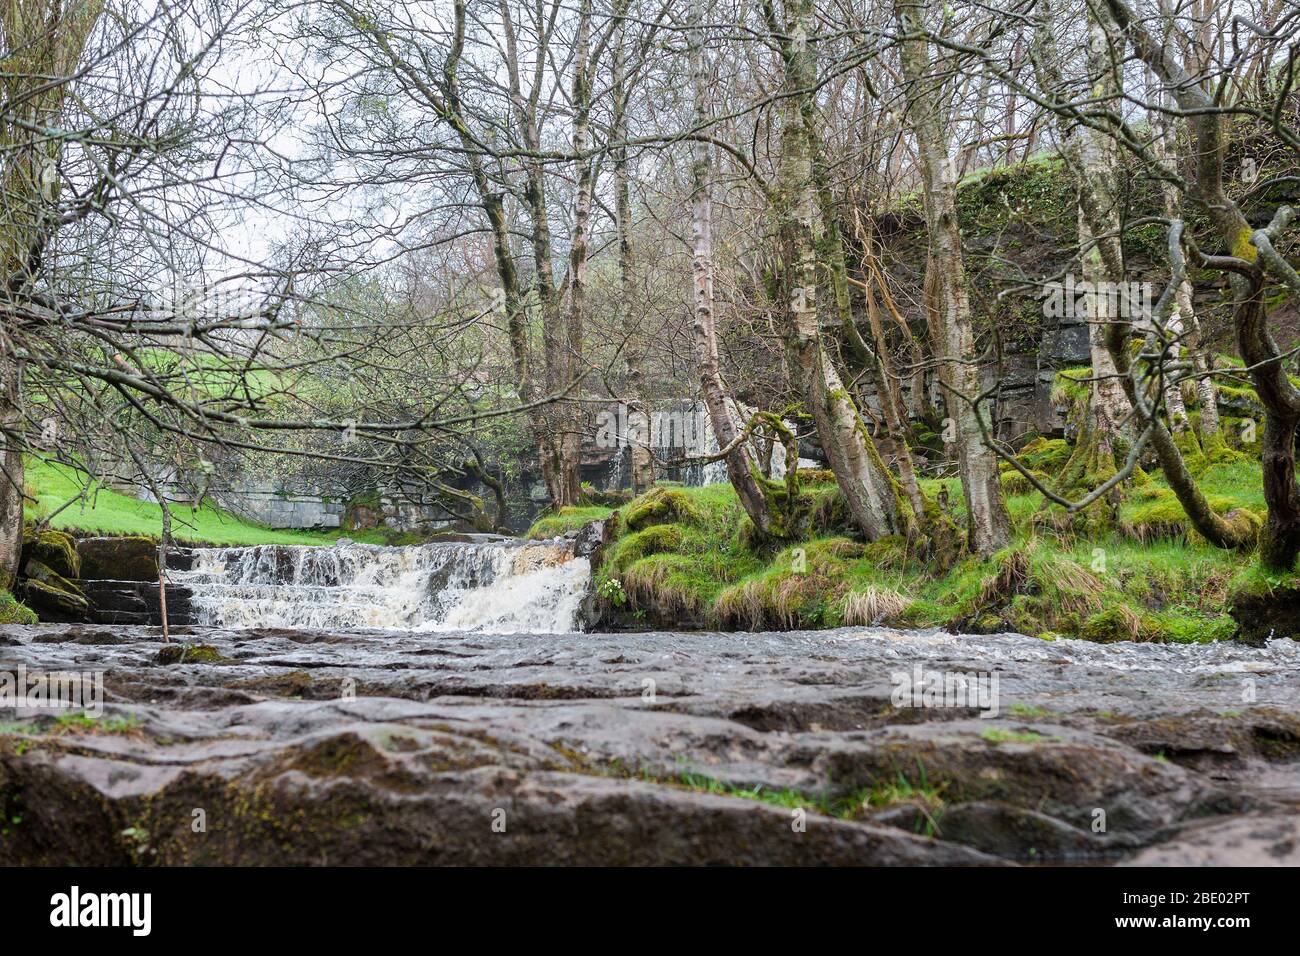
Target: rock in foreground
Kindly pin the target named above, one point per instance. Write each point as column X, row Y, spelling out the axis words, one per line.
column 295, row 747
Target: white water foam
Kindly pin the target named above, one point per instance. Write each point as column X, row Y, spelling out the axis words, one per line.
column 495, row 587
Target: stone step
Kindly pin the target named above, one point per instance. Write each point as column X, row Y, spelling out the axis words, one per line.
column 180, row 559
column 135, row 602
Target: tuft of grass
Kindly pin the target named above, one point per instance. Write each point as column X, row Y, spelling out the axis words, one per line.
column 804, row 586
column 85, row 724
column 874, row 606
column 928, row 800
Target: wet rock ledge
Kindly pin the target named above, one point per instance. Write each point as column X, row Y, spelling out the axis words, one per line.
column 101, row 580
column 288, row 747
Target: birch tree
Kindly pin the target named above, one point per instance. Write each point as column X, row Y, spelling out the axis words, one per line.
column 873, row 498
column 988, row 523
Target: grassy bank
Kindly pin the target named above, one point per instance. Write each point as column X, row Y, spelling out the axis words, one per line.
column 104, row 511
column 681, row 554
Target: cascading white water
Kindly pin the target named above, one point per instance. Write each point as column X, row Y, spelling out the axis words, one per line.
column 504, row 588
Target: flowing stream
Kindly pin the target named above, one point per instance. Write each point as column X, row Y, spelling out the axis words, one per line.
column 502, row 587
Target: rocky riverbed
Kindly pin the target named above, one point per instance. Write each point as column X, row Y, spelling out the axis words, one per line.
column 319, row 747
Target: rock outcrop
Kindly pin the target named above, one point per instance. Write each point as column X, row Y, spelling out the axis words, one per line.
column 377, row 748
column 124, row 558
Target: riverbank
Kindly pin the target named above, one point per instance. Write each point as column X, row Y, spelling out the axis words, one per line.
column 683, row 555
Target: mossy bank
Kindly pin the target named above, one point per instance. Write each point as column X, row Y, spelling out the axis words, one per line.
column 682, row 557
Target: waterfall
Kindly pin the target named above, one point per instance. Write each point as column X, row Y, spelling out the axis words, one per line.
column 500, row 587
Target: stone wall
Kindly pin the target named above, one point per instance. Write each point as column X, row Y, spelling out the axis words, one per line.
column 275, row 504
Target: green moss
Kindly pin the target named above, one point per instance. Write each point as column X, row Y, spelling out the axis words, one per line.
column 1118, row 622
column 189, row 654
column 55, row 549
column 1026, row 710
column 1154, row 512
column 1187, row 443
column 1014, row 483
column 661, row 506
column 12, row 612
column 1183, row 625
column 656, row 539
column 1072, row 386
column 1047, row 455
column 996, row 736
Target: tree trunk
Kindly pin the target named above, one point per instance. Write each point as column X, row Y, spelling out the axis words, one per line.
column 867, row 487
column 740, row 470
column 42, row 45
column 11, row 463
column 638, row 420
column 891, row 399
column 1184, row 323
column 573, row 422
column 552, row 425
column 988, row 523
column 1279, row 541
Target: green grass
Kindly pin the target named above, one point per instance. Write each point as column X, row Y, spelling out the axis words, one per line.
column 12, row 612
column 108, row 512
column 856, row 804
column 566, row 519
column 1017, row 737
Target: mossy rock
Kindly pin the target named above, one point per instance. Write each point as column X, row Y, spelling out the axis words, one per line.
column 14, row 612
column 1238, row 401
column 661, row 506
column 53, row 603
column 125, row 558
column 656, row 539
column 35, row 570
column 55, row 549
column 1014, row 483
column 816, row 476
column 1046, row 455
column 189, row 654
column 1266, row 606
column 608, row 499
